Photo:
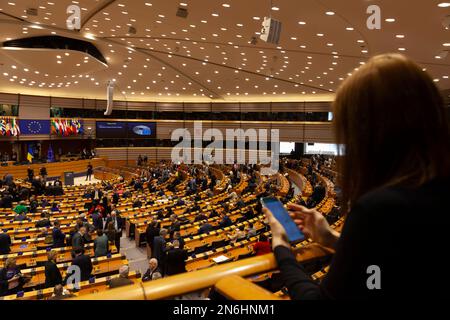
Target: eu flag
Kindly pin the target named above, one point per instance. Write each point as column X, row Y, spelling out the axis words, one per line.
column 35, row 126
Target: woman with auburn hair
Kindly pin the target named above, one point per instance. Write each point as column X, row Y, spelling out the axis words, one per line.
column 390, row 120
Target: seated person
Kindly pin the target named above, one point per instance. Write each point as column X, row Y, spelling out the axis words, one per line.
column 59, row 293
column 122, row 279
column 262, row 246
column 21, row 208
column 152, row 269
column 5, row 242
column 205, row 228
column 11, row 279
column 44, row 221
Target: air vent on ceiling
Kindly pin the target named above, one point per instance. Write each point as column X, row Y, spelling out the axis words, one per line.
column 182, row 12
column 32, row 11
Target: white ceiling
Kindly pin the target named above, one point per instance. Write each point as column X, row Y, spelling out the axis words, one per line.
column 208, row 54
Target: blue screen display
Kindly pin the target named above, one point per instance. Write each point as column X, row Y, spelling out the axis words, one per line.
column 281, row 214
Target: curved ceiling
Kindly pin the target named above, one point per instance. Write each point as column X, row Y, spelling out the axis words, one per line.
column 209, row 54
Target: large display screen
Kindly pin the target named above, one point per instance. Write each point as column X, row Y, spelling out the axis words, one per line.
column 138, row 130
column 287, row 147
column 114, row 129
column 122, row 130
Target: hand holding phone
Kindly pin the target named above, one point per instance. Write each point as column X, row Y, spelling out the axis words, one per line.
column 282, row 216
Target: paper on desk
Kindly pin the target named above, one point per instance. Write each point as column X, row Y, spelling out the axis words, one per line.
column 221, row 258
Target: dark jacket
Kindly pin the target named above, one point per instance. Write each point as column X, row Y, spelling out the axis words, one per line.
column 150, row 234
column 159, row 246
column 59, row 238
column 5, row 243
column 52, row 275
column 383, row 231
column 119, row 282
column 85, row 265
column 149, row 274
column 176, row 261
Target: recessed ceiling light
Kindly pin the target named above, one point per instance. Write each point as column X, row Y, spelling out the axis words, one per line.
column 226, row 5
column 400, row 36
column 330, row 13
column 446, row 44
column 302, row 23
column 349, row 29
column 320, row 34
column 444, row 5
column 401, row 49
column 256, row 18
column 215, row 14
column 390, row 20
column 275, row 8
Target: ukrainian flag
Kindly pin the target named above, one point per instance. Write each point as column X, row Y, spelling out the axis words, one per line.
column 30, row 153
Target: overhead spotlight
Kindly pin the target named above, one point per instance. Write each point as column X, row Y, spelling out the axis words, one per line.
column 271, row 30
column 132, row 30
column 182, row 12
column 32, row 11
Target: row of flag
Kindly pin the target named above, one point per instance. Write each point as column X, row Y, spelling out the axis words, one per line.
column 9, row 126
column 66, row 127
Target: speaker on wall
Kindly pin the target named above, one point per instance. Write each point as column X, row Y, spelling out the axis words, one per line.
column 109, row 98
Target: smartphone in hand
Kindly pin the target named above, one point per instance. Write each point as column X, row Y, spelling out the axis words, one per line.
column 282, row 215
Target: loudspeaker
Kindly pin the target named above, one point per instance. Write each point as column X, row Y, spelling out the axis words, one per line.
column 109, row 98
column 271, row 31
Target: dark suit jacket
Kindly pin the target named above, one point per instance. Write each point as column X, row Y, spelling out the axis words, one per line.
column 159, row 245
column 175, row 261
column 59, row 238
column 5, row 242
column 85, row 265
column 97, row 221
column 119, row 282
column 151, row 233
column 119, row 221
column 52, row 274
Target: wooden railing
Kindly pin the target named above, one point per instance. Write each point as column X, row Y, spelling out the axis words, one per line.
column 198, row 280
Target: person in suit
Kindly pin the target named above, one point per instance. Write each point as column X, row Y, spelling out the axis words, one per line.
column 225, row 222
column 101, row 244
column 175, row 259
column 78, row 239
column 151, row 232
column 30, row 174
column 205, row 228
column 89, row 172
column 59, row 237
column 122, row 279
column 175, row 226
column 44, row 221
column 7, row 200
column 152, row 268
column 159, row 247
column 5, row 243
column 177, row 236
column 59, row 293
column 84, row 263
column 117, row 222
column 97, row 220
column 52, row 274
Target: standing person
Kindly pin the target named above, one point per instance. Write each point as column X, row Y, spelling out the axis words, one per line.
column 111, row 232
column 175, row 259
column 59, row 237
column 44, row 174
column 89, row 172
column 159, row 248
column 52, row 273
column 151, row 232
column 101, row 244
column 395, row 178
column 84, row 263
column 117, row 222
column 5, row 242
column 30, row 174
